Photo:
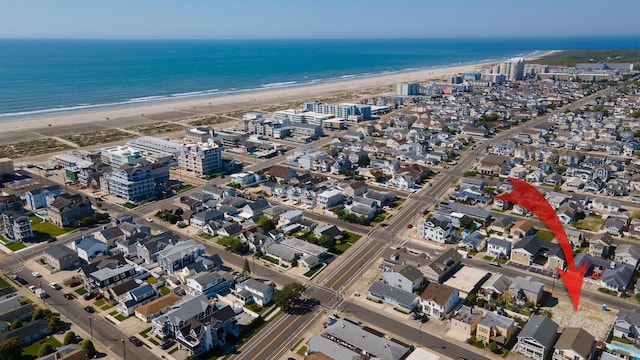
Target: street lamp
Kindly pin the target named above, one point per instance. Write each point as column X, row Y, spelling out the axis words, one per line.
column 124, row 349
column 91, row 327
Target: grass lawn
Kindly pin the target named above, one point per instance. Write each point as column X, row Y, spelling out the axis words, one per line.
column 591, row 223
column 173, row 350
column 342, row 247
column 37, row 225
column 545, row 235
column 31, row 351
column 120, row 317
column 151, row 280
column 107, row 306
column 206, row 236
column 81, row 291
column 352, row 237
column 16, row 246
column 100, row 302
column 144, row 332
column 4, row 283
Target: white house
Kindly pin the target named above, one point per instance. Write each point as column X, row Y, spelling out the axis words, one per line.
column 88, row 247
column 207, row 283
column 330, row 198
column 408, row 278
column 439, row 300
column 435, row 230
column 255, row 291
column 499, row 247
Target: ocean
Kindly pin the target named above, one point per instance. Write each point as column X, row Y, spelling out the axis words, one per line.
column 43, row 77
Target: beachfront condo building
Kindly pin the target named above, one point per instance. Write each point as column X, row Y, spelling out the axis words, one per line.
column 408, row 89
column 512, row 69
column 344, row 111
column 134, row 184
column 6, row 167
column 17, row 226
column 200, row 159
column 199, row 134
column 117, row 156
column 156, row 149
column 290, row 116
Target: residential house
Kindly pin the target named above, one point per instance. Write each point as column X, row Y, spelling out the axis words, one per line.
column 399, row 298
column 156, row 307
column 199, row 335
column 121, row 290
column 615, row 225
column 110, row 275
column 169, row 324
column 356, row 188
column 285, row 255
column 290, row 217
column 136, row 297
column 229, row 229
column 606, row 205
column 627, row 254
column 29, row 332
column 280, row 173
column 110, row 236
column 199, row 220
column 574, row 344
column 627, row 324
column 502, row 225
column 88, row 248
column 332, row 231
column 618, row 278
column 537, row 337
column 495, row 286
column 495, row 328
column 176, row 257
column 254, row 291
column 351, row 341
column 436, row 230
column 522, row 228
column 254, row 210
column 533, row 251
column 37, row 198
column 601, row 245
column 576, row 238
column 440, row 268
column 465, row 321
column 439, row 300
column 60, row 257
column 407, row 278
column 527, row 289
column 209, row 283
column 330, row 198
column 499, row 248
column 66, row 210
column 147, row 247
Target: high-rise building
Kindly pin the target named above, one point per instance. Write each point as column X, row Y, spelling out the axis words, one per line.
column 201, row 159
column 512, row 69
column 409, row 89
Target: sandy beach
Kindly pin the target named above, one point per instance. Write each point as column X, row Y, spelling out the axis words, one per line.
column 13, row 131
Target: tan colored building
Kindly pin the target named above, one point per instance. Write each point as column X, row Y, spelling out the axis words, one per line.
column 465, row 321
column 6, row 167
column 157, row 307
column 495, row 328
column 522, row 228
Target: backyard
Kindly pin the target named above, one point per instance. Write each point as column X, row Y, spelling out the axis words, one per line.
column 591, row 223
column 43, row 230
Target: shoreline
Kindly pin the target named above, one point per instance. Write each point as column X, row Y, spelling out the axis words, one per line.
column 172, row 110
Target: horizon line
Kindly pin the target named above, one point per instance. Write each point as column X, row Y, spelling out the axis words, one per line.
column 567, row 37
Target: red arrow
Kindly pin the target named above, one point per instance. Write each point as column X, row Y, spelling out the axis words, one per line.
column 531, row 199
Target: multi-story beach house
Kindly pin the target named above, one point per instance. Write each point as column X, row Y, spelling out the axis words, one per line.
column 200, row 159
column 175, row 257
column 68, row 209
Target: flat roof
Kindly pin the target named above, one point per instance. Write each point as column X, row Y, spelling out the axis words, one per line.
column 466, row 279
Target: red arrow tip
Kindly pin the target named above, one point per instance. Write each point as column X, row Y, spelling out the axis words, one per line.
column 572, row 279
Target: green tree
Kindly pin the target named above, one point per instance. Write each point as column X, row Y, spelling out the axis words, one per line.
column 46, row 349
column 635, row 114
column 11, row 349
column 289, row 294
column 233, row 244
column 472, row 299
column 69, row 338
column 40, row 313
column 88, row 348
column 364, row 161
column 246, row 269
column 15, row 324
column 638, row 297
column 493, row 347
column 466, row 222
column 326, row 241
column 54, row 323
column 266, row 223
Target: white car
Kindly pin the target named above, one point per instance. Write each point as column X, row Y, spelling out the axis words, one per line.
column 32, row 288
column 54, row 286
column 36, row 274
column 149, row 219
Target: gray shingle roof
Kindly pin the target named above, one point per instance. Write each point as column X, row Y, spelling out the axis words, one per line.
column 540, row 328
column 377, row 346
column 387, row 291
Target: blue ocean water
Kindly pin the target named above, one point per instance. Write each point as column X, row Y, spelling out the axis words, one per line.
column 41, row 77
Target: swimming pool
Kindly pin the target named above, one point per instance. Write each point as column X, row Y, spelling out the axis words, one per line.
column 626, row 347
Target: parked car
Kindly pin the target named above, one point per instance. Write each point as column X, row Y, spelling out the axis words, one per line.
column 149, row 219
column 36, row 274
column 99, row 296
column 135, row 341
column 409, row 226
column 22, row 281
column 68, row 296
column 74, row 283
column 89, row 309
column 14, row 276
column 54, row 286
column 32, row 288
column 89, row 295
column 494, row 263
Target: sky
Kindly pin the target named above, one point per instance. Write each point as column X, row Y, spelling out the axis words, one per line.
column 328, row 19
